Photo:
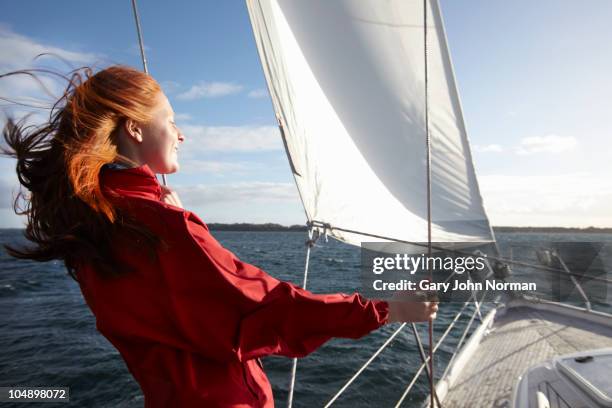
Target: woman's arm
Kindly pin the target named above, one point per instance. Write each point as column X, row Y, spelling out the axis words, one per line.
column 231, row 309
column 277, row 317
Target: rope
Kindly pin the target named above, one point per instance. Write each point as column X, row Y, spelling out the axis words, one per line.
column 312, row 238
column 145, row 68
column 386, row 343
column 417, row 338
column 438, row 344
column 423, row 365
column 429, row 227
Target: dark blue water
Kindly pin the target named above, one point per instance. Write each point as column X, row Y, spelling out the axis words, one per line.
column 48, row 335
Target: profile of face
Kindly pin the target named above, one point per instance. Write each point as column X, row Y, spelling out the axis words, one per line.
column 155, row 143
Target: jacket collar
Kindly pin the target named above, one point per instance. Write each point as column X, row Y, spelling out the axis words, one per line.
column 118, row 181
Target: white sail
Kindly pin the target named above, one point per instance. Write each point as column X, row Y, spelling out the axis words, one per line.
column 346, row 79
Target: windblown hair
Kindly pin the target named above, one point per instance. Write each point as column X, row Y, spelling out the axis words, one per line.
column 59, row 163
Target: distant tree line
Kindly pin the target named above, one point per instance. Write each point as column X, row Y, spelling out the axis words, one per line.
column 244, row 226
column 553, row 229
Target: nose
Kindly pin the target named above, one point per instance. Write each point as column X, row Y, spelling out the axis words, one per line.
column 181, row 136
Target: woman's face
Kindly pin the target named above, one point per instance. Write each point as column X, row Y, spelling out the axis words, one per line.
column 161, row 138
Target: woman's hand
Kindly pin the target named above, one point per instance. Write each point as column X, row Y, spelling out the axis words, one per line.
column 170, row 196
column 410, row 307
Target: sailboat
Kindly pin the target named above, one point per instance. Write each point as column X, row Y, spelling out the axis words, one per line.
column 370, row 116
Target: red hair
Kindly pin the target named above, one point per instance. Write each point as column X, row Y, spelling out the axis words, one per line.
column 59, row 162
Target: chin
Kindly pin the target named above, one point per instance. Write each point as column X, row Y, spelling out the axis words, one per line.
column 173, row 169
column 167, row 169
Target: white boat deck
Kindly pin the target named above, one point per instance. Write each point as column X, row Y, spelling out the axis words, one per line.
column 518, row 339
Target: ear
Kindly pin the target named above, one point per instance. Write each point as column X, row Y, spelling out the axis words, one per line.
column 133, row 130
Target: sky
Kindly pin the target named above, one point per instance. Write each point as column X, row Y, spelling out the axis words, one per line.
column 533, row 77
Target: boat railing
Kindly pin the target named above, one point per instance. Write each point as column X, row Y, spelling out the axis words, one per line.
column 547, row 257
column 475, row 312
column 573, row 279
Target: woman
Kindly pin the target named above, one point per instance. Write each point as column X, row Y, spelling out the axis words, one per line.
column 189, row 318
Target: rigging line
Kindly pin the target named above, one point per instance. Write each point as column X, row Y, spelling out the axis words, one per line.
column 455, row 251
column 309, row 244
column 461, row 340
column 366, row 234
column 423, row 357
column 145, row 68
column 465, row 332
column 429, row 245
column 423, row 364
column 576, row 284
column 140, row 41
column 477, row 306
column 551, row 269
column 363, row 367
column 438, row 344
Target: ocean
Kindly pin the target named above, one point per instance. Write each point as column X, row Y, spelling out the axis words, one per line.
column 48, row 335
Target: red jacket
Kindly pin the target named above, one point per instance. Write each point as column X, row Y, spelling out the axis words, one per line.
column 191, row 326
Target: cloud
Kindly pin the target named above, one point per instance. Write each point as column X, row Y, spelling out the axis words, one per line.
column 18, row 51
column 27, row 89
column 169, row 87
column 258, row 93
column 189, row 166
column 576, row 199
column 258, row 191
column 491, row 148
column 532, row 145
column 546, row 144
column 230, row 138
column 210, row 90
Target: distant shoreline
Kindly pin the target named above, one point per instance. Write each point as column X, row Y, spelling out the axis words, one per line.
column 243, row 226
column 589, row 230
column 272, row 227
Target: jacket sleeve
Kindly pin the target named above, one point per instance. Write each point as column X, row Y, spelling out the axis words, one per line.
column 251, row 314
